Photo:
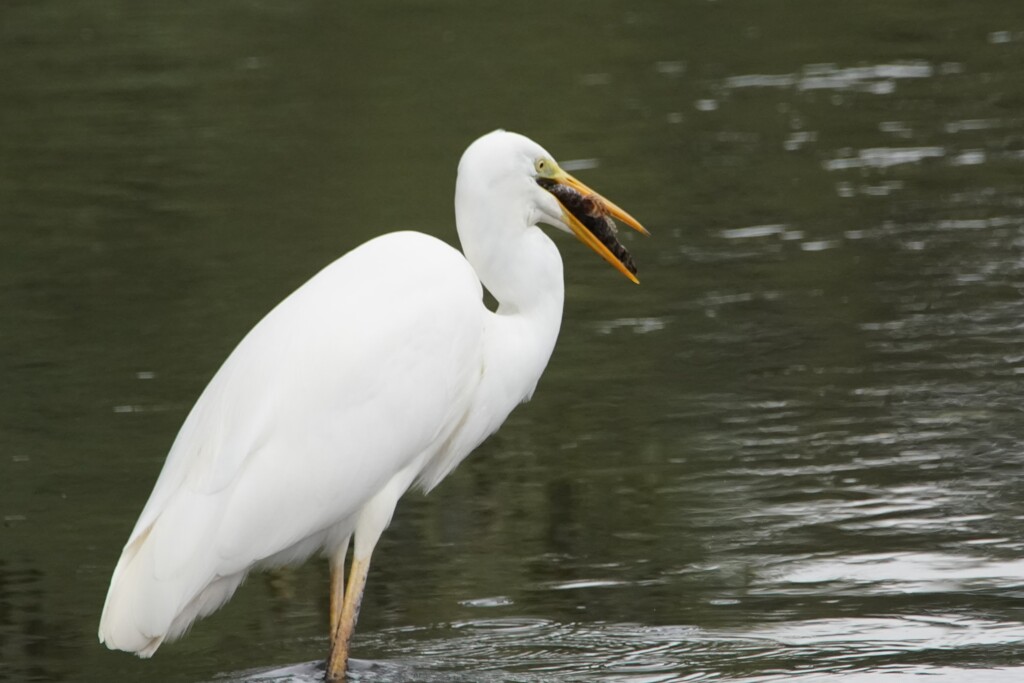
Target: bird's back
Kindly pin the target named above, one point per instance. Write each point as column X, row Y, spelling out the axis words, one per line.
column 380, row 352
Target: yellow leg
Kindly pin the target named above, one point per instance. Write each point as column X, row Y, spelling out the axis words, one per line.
column 346, row 625
column 337, row 587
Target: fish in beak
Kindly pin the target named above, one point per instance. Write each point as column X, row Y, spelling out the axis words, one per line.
column 589, row 216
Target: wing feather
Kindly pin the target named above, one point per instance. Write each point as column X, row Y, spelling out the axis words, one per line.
column 350, row 379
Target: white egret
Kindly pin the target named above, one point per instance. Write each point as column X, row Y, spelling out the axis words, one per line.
column 383, row 371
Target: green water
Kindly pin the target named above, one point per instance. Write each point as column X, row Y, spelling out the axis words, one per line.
column 792, row 454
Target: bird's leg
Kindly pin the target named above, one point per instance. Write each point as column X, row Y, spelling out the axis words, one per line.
column 337, row 587
column 346, row 625
column 371, row 521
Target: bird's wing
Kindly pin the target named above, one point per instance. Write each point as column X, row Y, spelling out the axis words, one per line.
column 339, row 387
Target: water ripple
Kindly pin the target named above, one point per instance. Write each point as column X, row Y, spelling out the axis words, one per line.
column 530, row 651
column 875, row 79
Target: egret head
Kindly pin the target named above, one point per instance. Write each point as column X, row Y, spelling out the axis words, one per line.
column 517, row 166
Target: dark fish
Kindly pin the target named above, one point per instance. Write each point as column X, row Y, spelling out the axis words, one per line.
column 590, row 211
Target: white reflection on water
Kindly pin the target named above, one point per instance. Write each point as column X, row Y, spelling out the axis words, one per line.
column 882, row 189
column 754, row 231
column 885, row 573
column 880, row 80
column 876, row 79
column 969, row 157
column 884, row 157
column 637, row 325
column 972, row 125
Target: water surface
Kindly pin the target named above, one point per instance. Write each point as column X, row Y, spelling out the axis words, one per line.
column 791, row 454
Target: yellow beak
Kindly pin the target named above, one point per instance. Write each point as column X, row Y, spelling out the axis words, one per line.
column 587, row 214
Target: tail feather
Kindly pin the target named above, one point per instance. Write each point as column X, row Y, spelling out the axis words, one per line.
column 165, row 579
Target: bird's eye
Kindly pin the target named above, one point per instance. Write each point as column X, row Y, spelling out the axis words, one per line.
column 542, row 166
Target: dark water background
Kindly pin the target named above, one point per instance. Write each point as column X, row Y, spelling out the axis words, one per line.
column 792, row 454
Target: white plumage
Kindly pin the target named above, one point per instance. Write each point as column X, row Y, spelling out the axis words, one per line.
column 383, row 370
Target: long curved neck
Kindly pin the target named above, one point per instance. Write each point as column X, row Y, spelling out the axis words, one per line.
column 517, row 263
column 521, row 267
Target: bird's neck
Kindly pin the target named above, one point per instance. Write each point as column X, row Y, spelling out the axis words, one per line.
column 521, row 267
column 518, row 264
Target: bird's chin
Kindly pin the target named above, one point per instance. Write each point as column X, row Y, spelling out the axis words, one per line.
column 552, row 220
